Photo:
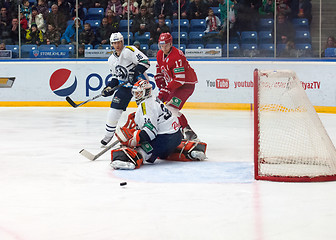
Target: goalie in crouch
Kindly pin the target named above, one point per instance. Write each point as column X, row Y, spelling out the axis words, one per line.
column 157, row 134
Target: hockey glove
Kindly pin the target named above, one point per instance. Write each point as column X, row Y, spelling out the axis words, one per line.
column 160, row 81
column 128, row 137
column 164, row 94
column 107, row 91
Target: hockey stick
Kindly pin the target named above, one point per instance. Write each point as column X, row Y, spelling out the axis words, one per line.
column 92, row 157
column 72, row 103
column 130, row 123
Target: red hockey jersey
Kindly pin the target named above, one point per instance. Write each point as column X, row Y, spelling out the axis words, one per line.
column 175, row 67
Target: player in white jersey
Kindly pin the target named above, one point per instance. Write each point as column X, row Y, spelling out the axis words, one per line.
column 126, row 64
column 157, row 133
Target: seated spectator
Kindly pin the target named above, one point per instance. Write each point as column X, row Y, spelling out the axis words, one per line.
column 5, row 27
column 198, row 9
column 267, row 9
column 11, row 7
column 104, row 32
column 213, row 23
column 14, row 32
column 137, row 45
column 301, row 9
column 143, row 22
column 37, row 18
column 69, row 36
column 184, row 7
column 80, row 9
column 247, row 15
column 26, row 9
column 23, row 21
column 283, row 8
column 81, row 51
column 52, row 36
column 2, row 46
column 160, row 27
column 42, row 8
column 223, row 14
column 134, row 9
column 163, row 9
column 57, row 19
column 149, row 4
column 115, row 6
column 87, row 36
column 331, row 43
column 113, row 19
column 34, row 36
column 284, row 30
column 213, row 26
column 99, row 4
column 5, row 18
column 65, row 8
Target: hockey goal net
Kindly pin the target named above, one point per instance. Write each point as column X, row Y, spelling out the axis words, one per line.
column 290, row 141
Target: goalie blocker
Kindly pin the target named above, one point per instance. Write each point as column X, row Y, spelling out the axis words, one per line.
column 127, row 158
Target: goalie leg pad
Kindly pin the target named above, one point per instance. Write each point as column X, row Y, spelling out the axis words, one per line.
column 125, row 158
column 189, row 151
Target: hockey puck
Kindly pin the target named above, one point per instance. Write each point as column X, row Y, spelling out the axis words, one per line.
column 123, row 183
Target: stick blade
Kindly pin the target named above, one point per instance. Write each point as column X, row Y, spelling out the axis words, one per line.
column 88, row 155
column 72, row 103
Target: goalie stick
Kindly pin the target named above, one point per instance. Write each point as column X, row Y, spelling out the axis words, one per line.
column 72, row 103
column 92, row 157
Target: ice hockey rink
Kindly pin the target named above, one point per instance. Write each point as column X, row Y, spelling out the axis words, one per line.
column 50, row 192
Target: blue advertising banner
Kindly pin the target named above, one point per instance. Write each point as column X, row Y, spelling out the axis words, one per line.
column 49, row 54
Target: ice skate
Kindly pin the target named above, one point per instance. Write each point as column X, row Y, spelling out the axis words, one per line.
column 197, row 155
column 122, row 165
column 106, row 140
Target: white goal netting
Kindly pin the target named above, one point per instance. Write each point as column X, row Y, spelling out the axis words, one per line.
column 291, row 139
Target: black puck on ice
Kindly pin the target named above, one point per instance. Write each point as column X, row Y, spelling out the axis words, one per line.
column 123, row 183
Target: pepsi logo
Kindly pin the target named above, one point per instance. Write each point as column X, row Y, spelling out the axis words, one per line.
column 63, row 82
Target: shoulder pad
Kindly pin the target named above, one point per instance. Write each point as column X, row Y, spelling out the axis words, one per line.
column 143, row 108
column 130, row 48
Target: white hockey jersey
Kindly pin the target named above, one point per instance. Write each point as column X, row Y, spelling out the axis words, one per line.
column 154, row 118
column 129, row 58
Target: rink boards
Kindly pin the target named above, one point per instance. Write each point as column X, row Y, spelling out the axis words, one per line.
column 221, row 84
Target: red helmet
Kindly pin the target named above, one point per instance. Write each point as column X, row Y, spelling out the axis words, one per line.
column 165, row 38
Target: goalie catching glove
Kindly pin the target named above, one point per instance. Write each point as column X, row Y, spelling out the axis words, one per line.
column 128, row 137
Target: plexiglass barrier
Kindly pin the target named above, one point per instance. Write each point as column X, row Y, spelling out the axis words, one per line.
column 200, row 28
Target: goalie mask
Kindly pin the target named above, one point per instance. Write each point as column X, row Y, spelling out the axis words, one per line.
column 142, row 89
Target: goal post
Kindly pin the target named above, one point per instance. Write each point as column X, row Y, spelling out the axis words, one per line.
column 290, row 141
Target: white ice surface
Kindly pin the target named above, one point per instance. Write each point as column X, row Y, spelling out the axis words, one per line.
column 48, row 191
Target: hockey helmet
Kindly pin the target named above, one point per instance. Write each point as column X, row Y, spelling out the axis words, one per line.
column 116, row 37
column 165, row 38
column 142, row 89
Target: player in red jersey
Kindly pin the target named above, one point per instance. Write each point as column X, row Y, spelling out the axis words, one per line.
column 176, row 80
